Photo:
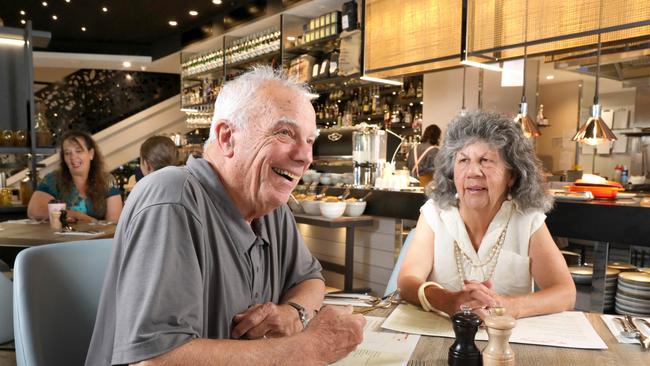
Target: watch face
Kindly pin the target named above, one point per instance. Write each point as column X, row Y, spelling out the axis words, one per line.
column 302, row 313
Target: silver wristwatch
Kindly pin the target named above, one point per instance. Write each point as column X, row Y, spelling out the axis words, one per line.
column 302, row 313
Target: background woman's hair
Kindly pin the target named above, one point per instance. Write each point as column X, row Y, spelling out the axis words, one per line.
column 431, row 135
column 97, row 184
column 503, row 135
column 159, row 152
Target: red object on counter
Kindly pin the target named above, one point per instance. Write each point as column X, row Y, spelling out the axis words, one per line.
column 609, row 189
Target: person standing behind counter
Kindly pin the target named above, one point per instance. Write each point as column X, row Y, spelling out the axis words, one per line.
column 481, row 239
column 156, row 153
column 89, row 192
column 209, row 253
column 421, row 159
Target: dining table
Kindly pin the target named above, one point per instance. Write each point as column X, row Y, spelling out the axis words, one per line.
column 431, row 351
column 16, row 235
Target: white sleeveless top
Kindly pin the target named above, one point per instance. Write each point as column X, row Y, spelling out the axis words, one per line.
column 512, row 273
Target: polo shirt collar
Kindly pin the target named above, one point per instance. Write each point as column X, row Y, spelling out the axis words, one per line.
column 243, row 234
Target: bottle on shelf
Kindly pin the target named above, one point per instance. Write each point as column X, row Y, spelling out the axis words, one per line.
column 418, row 90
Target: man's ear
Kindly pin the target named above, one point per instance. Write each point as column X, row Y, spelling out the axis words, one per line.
column 225, row 137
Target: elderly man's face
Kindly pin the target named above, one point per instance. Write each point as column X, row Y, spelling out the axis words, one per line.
column 481, row 177
column 275, row 149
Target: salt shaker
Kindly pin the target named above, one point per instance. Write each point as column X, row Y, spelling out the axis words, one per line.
column 464, row 351
column 499, row 328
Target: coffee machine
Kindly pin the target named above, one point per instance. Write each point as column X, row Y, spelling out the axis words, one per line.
column 368, row 154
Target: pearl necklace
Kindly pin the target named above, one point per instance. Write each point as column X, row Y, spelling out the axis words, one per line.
column 491, row 260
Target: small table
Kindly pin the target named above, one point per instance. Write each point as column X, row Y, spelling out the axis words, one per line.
column 15, row 237
column 349, row 223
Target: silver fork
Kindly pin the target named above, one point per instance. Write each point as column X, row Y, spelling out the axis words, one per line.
column 627, row 332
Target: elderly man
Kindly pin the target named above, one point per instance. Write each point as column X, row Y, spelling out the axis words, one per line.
column 208, row 254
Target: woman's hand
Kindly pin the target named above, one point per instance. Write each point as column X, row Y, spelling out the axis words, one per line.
column 75, row 216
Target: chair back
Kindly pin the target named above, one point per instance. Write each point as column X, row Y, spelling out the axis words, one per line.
column 392, row 281
column 56, row 295
column 6, row 306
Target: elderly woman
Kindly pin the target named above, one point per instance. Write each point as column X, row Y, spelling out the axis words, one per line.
column 481, row 239
column 89, row 193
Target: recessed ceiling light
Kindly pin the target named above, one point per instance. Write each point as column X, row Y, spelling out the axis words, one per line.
column 217, row 2
column 83, row 29
column 104, row 9
column 22, row 12
column 193, row 13
column 143, row 68
column 22, row 21
column 67, row 1
column 44, row 3
column 129, row 77
column 55, row 17
column 173, row 23
column 126, row 64
column 550, row 77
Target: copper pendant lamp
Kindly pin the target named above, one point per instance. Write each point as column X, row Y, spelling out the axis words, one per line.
column 595, row 131
column 528, row 126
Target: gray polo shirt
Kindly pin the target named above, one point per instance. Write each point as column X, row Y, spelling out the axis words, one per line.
column 185, row 262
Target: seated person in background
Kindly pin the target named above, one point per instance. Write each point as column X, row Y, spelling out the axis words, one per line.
column 421, row 158
column 89, row 192
column 157, row 152
column 208, row 254
column 481, row 239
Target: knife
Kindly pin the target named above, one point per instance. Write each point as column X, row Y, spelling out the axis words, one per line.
column 645, row 341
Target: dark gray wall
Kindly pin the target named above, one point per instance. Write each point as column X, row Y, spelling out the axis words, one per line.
column 13, row 85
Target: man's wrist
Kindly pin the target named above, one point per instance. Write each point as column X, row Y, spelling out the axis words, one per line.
column 303, row 315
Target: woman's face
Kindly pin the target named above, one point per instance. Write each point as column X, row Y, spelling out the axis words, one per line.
column 77, row 157
column 481, row 177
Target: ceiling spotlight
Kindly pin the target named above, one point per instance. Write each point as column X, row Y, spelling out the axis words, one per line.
column 291, row 38
column 126, row 64
column 550, row 77
column 173, row 23
column 55, row 17
column 217, row 2
column 104, row 9
column 22, row 21
column 44, row 3
column 67, row 1
column 193, row 13
column 83, row 29
column 22, row 12
column 129, row 77
column 143, row 68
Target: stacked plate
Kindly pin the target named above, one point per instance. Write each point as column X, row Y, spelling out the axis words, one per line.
column 633, row 294
column 623, row 267
column 583, row 275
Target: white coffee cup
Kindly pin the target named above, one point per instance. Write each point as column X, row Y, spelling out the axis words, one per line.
column 55, row 206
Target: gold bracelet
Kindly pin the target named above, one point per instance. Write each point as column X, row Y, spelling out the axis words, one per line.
column 426, row 305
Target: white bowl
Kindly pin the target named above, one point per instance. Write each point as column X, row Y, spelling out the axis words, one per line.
column 311, row 207
column 307, row 178
column 336, row 178
column 354, row 209
column 332, row 210
column 326, row 179
column 295, row 206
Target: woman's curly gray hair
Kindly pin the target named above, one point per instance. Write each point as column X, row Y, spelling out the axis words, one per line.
column 503, row 135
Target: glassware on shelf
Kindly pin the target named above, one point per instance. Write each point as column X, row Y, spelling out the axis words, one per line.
column 7, row 138
column 44, row 136
column 20, row 138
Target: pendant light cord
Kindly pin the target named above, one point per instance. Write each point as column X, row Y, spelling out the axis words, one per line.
column 464, row 72
column 600, row 20
column 523, row 89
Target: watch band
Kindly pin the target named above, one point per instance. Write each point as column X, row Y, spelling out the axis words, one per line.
column 302, row 313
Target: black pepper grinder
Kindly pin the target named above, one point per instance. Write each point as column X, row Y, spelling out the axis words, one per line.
column 464, row 351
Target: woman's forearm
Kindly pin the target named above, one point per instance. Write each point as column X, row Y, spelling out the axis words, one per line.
column 550, row 300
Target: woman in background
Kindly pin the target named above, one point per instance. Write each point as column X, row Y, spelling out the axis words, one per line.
column 157, row 152
column 421, row 158
column 89, row 192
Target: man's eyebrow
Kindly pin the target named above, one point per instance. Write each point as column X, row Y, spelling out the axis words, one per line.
column 292, row 122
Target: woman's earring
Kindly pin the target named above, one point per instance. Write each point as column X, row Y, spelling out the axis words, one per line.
column 509, row 196
column 456, row 195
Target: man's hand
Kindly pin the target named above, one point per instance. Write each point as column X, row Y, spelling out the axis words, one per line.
column 268, row 320
column 335, row 332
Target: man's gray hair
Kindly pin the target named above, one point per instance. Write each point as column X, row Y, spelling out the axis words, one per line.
column 238, row 100
column 503, row 135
